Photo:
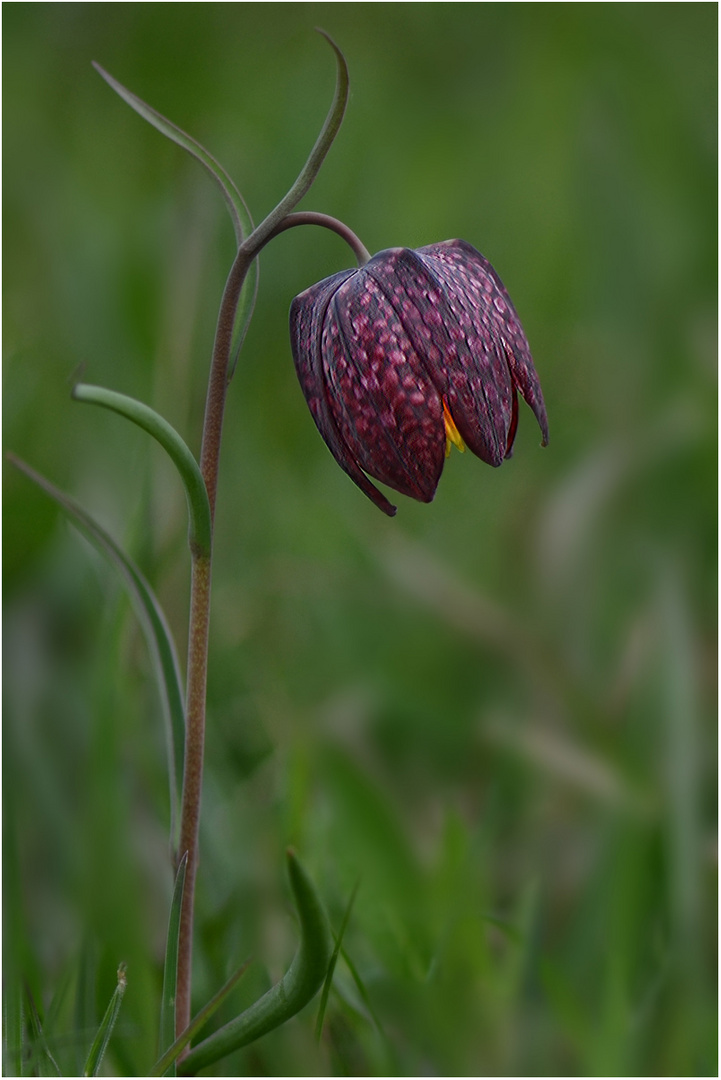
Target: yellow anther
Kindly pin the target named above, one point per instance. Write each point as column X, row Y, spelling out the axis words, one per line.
column 452, row 433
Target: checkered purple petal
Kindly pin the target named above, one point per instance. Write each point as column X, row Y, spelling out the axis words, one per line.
column 383, row 400
column 307, row 314
column 462, row 354
column 463, row 271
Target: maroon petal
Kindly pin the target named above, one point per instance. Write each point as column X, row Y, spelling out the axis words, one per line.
column 307, row 313
column 384, row 403
column 514, row 425
column 464, row 358
column 463, row 268
column 382, row 353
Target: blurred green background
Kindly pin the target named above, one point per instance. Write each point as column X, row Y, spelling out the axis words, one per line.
column 497, row 711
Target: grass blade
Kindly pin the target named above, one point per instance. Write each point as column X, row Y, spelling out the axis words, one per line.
column 160, row 640
column 13, row 1029
column 101, row 1040
column 196, row 1025
column 360, row 986
column 199, row 533
column 85, row 1012
column 41, row 1058
column 297, row 987
column 333, row 961
column 170, row 972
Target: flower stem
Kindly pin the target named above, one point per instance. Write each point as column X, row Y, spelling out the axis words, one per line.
column 201, row 573
column 193, row 774
column 310, row 217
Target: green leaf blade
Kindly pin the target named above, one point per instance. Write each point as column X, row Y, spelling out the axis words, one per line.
column 333, row 961
column 297, row 987
column 242, row 222
column 239, row 213
column 155, row 625
column 200, row 529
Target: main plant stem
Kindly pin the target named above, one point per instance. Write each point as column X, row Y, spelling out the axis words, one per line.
column 201, row 574
column 201, row 581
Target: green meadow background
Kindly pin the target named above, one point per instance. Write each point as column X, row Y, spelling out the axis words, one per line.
column 496, row 712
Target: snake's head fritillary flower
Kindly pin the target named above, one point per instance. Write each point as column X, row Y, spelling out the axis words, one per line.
column 412, row 353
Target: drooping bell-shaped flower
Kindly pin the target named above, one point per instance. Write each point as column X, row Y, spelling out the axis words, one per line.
column 411, row 353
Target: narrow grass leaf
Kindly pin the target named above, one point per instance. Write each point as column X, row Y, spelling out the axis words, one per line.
column 101, row 1040
column 42, row 1061
column 59, row 1017
column 297, row 987
column 13, row 1029
column 242, row 221
column 333, row 961
column 363, row 992
column 200, row 527
column 162, row 1066
column 170, row 972
column 85, row 1011
column 159, row 637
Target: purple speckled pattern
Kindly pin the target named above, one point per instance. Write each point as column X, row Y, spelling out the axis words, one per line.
column 378, row 350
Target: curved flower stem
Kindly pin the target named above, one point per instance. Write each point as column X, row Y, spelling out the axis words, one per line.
column 201, row 563
column 310, row 217
column 201, row 581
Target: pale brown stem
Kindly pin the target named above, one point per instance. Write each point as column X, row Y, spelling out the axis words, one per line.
column 193, row 774
column 201, row 587
column 198, row 637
